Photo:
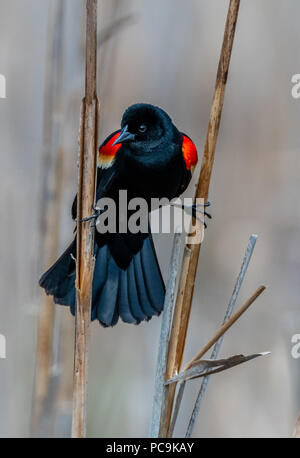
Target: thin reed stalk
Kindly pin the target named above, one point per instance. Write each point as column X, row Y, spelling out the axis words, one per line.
column 215, row 352
column 85, row 231
column 225, row 327
column 214, row 341
column 165, row 336
column 51, row 197
column 191, row 253
column 218, row 344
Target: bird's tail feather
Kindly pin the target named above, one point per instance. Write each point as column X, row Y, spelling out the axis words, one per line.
column 59, row 280
column 134, row 294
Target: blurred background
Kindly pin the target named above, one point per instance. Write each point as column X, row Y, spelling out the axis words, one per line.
column 165, row 53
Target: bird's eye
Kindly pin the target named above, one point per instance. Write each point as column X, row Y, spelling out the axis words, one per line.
column 143, row 128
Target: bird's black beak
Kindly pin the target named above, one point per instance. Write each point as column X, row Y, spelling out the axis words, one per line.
column 125, row 136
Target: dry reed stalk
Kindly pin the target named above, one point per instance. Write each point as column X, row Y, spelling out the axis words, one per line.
column 85, row 231
column 191, row 253
column 63, row 404
column 217, row 346
column 225, row 327
column 165, row 336
column 50, row 208
column 214, row 341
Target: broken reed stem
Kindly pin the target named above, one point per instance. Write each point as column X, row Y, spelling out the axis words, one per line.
column 204, row 350
column 216, row 349
column 52, row 187
column 165, row 336
column 191, row 255
column 232, row 302
column 85, row 231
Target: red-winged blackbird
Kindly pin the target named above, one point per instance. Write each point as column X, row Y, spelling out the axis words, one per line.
column 149, row 158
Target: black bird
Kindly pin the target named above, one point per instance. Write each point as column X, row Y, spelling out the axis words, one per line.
column 149, row 158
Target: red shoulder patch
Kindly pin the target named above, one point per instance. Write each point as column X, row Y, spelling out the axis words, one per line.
column 107, row 152
column 190, row 154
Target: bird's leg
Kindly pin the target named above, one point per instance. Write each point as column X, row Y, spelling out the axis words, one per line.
column 195, row 209
column 204, row 204
column 94, row 216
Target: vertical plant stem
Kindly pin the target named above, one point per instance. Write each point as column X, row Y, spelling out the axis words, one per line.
column 216, row 349
column 165, row 336
column 189, row 268
column 85, row 231
column 165, row 405
column 50, row 209
column 178, row 400
column 214, row 355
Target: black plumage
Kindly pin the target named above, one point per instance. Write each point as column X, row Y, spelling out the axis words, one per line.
column 149, row 158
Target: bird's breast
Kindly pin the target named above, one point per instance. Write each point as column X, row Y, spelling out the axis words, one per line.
column 154, row 180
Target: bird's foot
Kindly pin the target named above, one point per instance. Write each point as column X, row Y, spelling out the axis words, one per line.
column 93, row 217
column 195, row 211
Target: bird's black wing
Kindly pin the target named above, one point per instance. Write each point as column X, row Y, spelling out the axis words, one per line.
column 106, row 177
column 105, row 180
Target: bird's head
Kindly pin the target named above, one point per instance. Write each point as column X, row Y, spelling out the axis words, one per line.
column 145, row 126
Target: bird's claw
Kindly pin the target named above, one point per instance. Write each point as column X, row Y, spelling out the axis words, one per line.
column 196, row 210
column 205, row 204
column 93, row 217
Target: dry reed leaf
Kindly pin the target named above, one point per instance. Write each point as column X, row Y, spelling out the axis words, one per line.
column 201, row 367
